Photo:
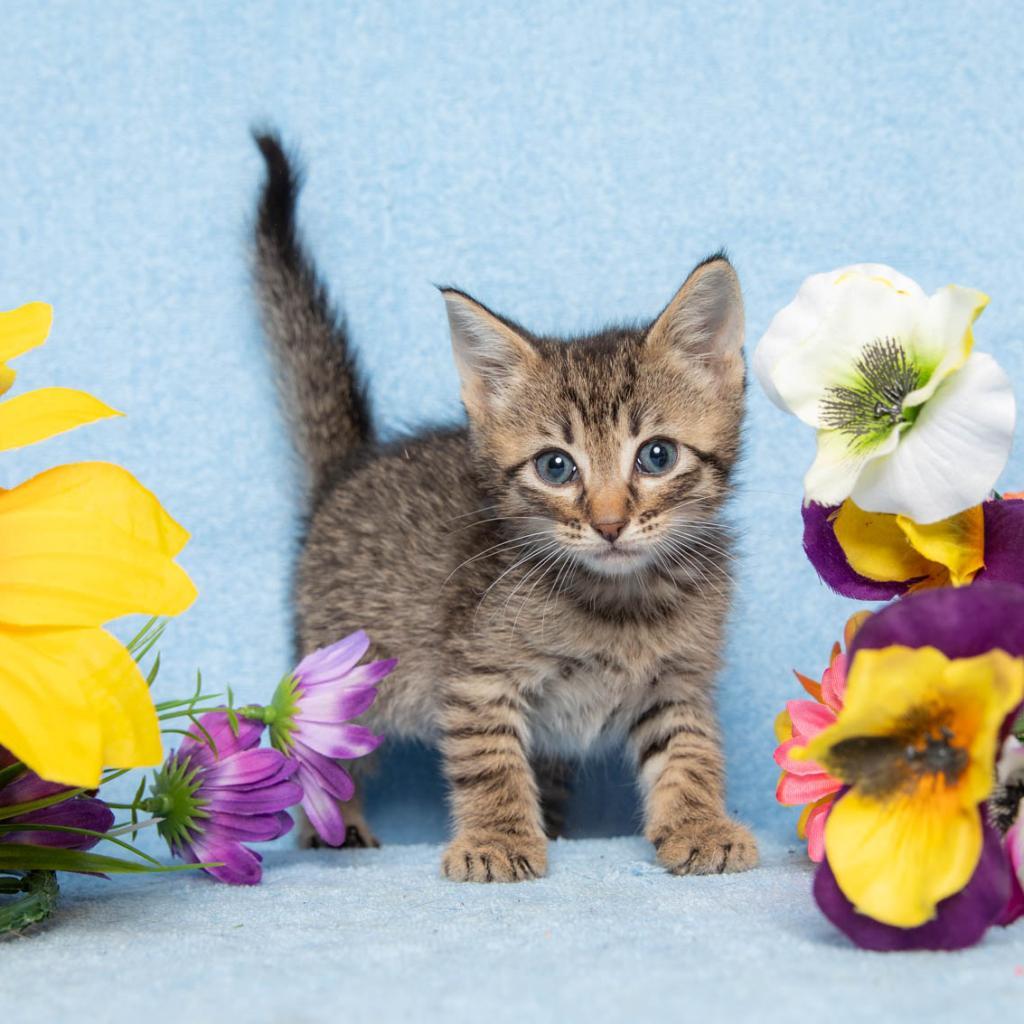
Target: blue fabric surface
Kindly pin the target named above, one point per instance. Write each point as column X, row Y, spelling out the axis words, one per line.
column 566, row 163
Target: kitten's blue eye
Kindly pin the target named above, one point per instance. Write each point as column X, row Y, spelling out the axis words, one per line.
column 656, row 457
column 555, row 467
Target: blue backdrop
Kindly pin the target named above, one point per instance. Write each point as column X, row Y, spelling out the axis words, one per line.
column 567, row 163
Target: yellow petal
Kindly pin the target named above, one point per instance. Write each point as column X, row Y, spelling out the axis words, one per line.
column 886, row 687
column 957, row 543
column 72, row 702
column 23, row 329
column 896, row 859
column 86, row 543
column 876, row 547
column 783, row 726
column 43, row 413
column 852, row 628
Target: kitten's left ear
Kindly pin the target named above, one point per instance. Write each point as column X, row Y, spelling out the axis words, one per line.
column 704, row 321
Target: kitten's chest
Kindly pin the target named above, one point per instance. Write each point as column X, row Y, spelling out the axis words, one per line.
column 588, row 698
column 592, row 685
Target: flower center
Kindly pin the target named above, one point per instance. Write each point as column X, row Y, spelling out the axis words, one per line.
column 872, row 405
column 920, row 746
column 175, row 801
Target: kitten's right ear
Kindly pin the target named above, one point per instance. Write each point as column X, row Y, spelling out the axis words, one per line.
column 491, row 357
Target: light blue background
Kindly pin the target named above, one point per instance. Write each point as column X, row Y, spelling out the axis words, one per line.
column 566, row 163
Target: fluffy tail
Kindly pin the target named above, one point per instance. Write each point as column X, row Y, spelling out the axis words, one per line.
column 320, row 388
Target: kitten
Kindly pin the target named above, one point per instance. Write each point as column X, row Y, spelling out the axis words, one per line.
column 551, row 576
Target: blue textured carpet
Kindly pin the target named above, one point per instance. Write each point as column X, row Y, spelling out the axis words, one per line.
column 377, row 936
column 568, row 164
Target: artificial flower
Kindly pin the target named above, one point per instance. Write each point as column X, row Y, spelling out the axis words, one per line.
column 310, row 721
column 47, row 411
column 934, row 680
column 804, row 781
column 77, row 812
column 910, row 421
column 218, row 791
column 80, row 545
column 875, row 556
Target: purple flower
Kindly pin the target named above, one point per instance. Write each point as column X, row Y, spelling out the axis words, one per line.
column 1000, row 534
column 961, row 623
column 310, row 721
column 214, row 799
column 85, row 812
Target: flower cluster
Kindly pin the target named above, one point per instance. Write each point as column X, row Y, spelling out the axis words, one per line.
column 220, row 790
column 904, row 761
column 80, row 546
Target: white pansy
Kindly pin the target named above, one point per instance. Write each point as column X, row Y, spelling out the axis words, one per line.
column 909, row 420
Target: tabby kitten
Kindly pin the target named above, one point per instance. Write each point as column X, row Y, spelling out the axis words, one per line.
column 552, row 576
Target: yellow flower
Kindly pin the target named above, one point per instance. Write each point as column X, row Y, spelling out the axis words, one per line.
column 891, row 548
column 80, row 545
column 916, row 742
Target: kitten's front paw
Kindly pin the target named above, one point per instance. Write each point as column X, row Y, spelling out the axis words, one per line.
column 710, row 847
column 495, row 857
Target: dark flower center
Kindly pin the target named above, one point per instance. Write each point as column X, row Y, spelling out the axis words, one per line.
column 872, row 405
column 921, row 746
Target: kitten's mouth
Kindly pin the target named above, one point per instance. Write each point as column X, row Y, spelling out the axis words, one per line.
column 614, row 559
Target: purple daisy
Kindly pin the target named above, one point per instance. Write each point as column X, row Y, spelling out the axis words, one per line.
column 220, row 790
column 961, row 623
column 86, row 812
column 310, row 719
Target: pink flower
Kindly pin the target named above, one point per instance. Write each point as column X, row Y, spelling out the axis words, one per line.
column 806, row 783
column 311, row 723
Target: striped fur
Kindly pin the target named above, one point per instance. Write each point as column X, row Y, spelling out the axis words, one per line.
column 533, row 622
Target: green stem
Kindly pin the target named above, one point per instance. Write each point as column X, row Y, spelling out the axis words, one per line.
column 40, row 891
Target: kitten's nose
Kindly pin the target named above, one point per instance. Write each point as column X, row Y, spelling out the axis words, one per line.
column 610, row 530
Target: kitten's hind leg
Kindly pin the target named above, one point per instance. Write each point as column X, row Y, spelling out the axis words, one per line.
column 554, row 783
column 358, row 834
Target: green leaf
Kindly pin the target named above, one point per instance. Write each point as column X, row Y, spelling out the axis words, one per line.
column 23, row 827
column 13, row 810
column 38, row 897
column 23, row 857
column 10, row 773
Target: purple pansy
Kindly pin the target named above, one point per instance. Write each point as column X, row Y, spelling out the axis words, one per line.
column 1004, row 551
column 86, row 812
column 220, row 790
column 961, row 623
column 310, row 721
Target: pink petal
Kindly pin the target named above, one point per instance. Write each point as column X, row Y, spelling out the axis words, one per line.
column 833, row 683
column 328, row 774
column 268, row 800
column 815, row 829
column 343, row 741
column 324, row 815
column 794, row 790
column 253, row 828
column 331, row 663
column 249, row 769
column 241, row 866
column 218, row 726
column 809, row 717
column 791, row 765
column 332, row 704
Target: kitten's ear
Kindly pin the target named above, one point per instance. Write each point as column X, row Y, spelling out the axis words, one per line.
column 704, row 321
column 491, row 357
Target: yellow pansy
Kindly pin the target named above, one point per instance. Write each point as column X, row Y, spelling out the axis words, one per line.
column 890, row 548
column 916, row 742
column 80, row 545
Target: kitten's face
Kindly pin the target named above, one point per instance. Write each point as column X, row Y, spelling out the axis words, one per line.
column 614, row 450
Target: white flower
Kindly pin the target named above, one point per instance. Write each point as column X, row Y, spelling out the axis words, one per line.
column 909, row 421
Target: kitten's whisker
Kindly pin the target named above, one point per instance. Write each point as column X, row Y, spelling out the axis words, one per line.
column 532, row 553
column 475, row 512
column 513, row 542
column 546, row 565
